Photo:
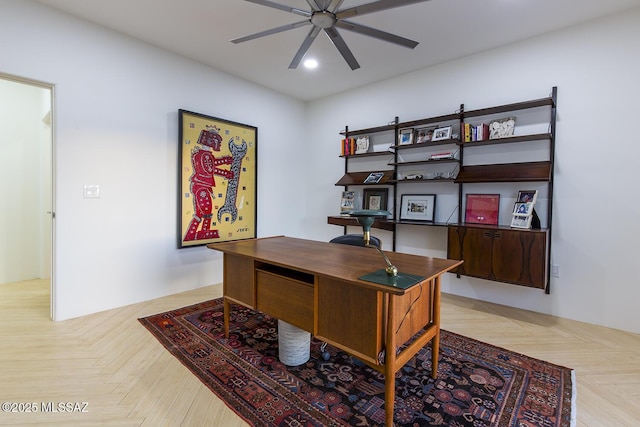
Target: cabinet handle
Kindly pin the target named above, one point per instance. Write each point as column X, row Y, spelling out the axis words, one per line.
column 488, row 234
column 497, row 235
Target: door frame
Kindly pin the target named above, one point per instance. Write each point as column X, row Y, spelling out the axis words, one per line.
column 52, row 210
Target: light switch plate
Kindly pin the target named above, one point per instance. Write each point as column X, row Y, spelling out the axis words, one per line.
column 91, row 191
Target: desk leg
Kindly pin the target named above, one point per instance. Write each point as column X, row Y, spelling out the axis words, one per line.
column 390, row 365
column 435, row 341
column 226, row 316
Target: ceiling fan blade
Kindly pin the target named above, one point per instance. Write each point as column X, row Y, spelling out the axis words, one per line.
column 271, row 31
column 304, row 47
column 374, row 7
column 281, row 7
column 335, row 5
column 372, row 32
column 342, row 47
column 313, row 4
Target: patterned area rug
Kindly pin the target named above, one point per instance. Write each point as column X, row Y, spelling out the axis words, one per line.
column 478, row 384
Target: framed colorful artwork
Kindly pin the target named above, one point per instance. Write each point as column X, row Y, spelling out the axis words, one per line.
column 217, row 177
column 482, row 209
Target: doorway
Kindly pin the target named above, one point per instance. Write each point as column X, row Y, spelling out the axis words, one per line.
column 26, row 183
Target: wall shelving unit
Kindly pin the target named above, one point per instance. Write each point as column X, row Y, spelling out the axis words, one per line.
column 494, row 252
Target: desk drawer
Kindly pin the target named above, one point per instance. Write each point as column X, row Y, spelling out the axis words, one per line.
column 285, row 298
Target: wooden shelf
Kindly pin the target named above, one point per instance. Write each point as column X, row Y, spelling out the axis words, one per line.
column 358, row 178
column 370, row 154
column 507, row 140
column 509, row 172
column 543, row 102
column 350, row 221
column 424, row 162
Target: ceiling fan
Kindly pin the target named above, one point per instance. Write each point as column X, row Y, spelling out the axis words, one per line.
column 326, row 15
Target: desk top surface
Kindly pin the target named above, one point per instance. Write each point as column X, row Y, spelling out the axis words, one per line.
column 343, row 262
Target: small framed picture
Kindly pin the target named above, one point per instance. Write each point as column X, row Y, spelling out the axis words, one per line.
column 347, row 203
column 527, row 196
column 442, row 133
column 519, row 221
column 374, row 178
column 523, row 208
column 376, row 198
column 424, row 135
column 405, row 137
column 418, row 207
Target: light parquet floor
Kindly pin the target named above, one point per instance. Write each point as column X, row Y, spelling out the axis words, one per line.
column 125, row 376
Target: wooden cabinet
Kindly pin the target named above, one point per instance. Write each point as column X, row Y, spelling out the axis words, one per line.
column 504, row 162
column 500, row 254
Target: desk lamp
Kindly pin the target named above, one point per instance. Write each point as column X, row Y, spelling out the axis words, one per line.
column 366, row 218
column 389, row 276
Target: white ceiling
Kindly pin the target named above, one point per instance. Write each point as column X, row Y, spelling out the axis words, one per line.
column 446, row 30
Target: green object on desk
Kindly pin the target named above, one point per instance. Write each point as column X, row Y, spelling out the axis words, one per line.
column 401, row 281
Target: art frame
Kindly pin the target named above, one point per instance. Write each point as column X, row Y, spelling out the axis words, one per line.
column 405, row 136
column 519, row 221
column 423, row 135
column 418, row 207
column 523, row 208
column 375, row 198
column 217, row 180
column 441, row 134
column 482, row 209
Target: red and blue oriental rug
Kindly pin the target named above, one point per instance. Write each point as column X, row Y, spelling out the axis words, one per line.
column 478, row 385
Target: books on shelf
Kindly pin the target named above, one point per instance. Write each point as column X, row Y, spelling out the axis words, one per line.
column 523, row 213
column 473, row 133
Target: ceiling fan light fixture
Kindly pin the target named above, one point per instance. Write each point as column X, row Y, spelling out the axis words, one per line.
column 310, row 63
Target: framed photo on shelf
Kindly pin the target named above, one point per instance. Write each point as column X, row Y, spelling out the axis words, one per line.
column 523, row 208
column 519, row 221
column 376, row 198
column 482, row 209
column 442, row 133
column 373, row 178
column 418, row 207
column 227, row 209
column 424, row 135
column 527, row 196
column 347, row 203
column 405, row 137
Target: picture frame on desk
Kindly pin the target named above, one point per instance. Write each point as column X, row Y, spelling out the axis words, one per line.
column 227, row 210
column 376, row 198
column 482, row 209
column 418, row 207
column 441, row 133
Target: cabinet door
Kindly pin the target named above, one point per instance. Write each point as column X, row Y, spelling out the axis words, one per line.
column 519, row 257
column 474, row 246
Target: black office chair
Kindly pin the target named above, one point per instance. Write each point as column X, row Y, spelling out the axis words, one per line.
column 355, row 240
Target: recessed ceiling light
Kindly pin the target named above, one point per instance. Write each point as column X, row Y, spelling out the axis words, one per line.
column 311, row 63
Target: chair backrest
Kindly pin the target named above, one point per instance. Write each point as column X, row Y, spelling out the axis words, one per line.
column 355, row 240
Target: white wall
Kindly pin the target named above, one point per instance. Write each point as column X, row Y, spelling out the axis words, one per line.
column 116, row 125
column 25, row 142
column 596, row 228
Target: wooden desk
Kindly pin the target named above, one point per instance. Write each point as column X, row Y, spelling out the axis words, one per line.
column 314, row 286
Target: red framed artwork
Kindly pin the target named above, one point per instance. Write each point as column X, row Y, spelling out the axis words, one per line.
column 482, row 209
